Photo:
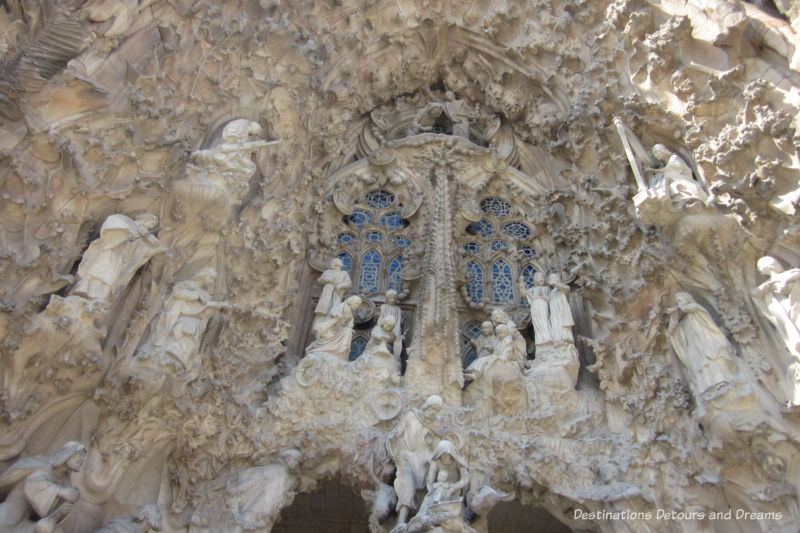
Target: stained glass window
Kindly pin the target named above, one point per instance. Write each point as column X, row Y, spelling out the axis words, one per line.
column 499, row 245
column 472, row 247
column 360, row 218
column 517, row 230
column 502, row 282
column 370, row 272
column 346, row 238
column 475, row 284
column 357, row 348
column 402, row 242
column 482, row 227
column 392, row 221
column 373, row 236
column 379, row 199
column 527, row 275
column 394, row 281
column 497, row 207
column 527, row 252
column 348, row 262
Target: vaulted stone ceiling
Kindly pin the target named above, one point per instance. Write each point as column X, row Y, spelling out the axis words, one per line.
column 130, row 107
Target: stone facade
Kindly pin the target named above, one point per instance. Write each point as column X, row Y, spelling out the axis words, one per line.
column 536, row 256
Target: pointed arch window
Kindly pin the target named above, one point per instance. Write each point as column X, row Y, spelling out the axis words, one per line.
column 394, row 281
column 368, row 278
column 475, row 283
column 502, row 282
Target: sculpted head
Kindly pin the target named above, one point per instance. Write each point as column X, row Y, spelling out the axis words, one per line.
column 147, row 220
column 71, row 455
column 661, row 152
column 205, row 276
column 239, row 130
column 487, row 328
column 684, row 300
column 353, row 301
column 768, row 265
column 554, row 277
column 499, row 317
column 538, row 278
column 432, row 405
column 387, row 323
column 391, row 297
column 502, row 331
column 336, row 264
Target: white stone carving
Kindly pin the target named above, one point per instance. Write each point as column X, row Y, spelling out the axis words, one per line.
column 377, row 349
column 335, row 283
column 538, row 297
column 391, row 309
column 148, row 518
column 560, row 318
column 334, row 332
column 779, row 299
column 38, row 493
column 411, row 445
column 110, row 262
column 175, row 340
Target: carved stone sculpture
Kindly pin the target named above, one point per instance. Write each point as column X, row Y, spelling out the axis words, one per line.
column 778, row 299
column 37, row 496
column 674, row 179
column 485, row 343
column 411, row 446
column 176, row 335
column 560, row 319
column 518, row 351
column 257, row 495
column 335, row 283
column 391, row 309
column 148, row 518
column 377, row 349
column 334, row 332
column 701, row 346
column 231, row 159
column 538, row 297
column 457, row 111
column 110, row 262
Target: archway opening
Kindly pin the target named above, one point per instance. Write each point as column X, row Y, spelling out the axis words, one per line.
column 335, row 508
column 513, row 517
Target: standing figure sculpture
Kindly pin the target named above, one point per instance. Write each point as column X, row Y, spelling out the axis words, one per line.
column 38, row 493
column 486, row 341
column 181, row 324
column 391, row 309
column 335, row 283
column 411, row 446
column 110, row 262
column 538, row 298
column 560, row 319
column 778, row 299
column 334, row 332
column 700, row 345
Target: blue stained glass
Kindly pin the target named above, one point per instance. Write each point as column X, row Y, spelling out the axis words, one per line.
column 517, row 230
column 402, row 242
column 472, row 247
column 497, row 207
column 373, row 236
column 379, row 199
column 499, row 245
column 527, row 275
column 527, row 252
column 473, row 329
column 370, row 272
column 392, row 221
column 346, row 238
column 394, row 281
column 482, row 227
column 357, row 348
column 360, row 218
column 502, row 282
column 348, row 262
column 475, row 284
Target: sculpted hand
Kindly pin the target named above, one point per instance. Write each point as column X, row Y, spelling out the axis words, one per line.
column 70, row 494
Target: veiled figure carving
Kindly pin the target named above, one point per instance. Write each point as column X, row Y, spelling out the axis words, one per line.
column 701, row 346
column 334, row 332
column 674, row 179
column 38, row 495
column 180, row 326
column 110, row 262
